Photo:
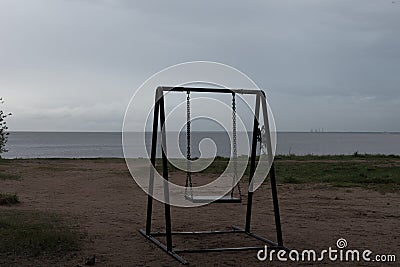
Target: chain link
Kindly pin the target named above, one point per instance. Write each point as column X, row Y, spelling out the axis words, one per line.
column 188, row 153
column 234, row 148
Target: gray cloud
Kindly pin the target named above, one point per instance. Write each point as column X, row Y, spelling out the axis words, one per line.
column 324, row 64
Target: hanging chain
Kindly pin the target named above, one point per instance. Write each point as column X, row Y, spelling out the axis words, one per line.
column 188, row 154
column 234, row 147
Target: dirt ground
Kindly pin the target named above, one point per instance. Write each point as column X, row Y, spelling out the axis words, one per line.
column 106, row 203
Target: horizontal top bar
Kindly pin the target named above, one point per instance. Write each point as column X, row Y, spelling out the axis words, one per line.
column 210, row 90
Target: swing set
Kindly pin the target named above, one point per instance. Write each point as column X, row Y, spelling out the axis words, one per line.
column 159, row 114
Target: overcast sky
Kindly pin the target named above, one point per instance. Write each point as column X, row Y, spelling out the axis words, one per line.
column 73, row 65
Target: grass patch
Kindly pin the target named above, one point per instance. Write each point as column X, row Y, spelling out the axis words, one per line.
column 374, row 172
column 8, row 176
column 381, row 172
column 36, row 234
column 354, row 156
column 291, row 180
column 54, row 168
column 361, row 173
column 8, row 199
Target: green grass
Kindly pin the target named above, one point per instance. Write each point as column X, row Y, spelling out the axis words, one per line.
column 26, row 233
column 345, row 173
column 8, row 176
column 355, row 156
column 8, row 199
column 378, row 172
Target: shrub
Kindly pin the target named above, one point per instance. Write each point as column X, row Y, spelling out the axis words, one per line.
column 3, row 129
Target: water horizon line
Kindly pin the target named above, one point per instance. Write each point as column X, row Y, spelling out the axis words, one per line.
column 211, row 131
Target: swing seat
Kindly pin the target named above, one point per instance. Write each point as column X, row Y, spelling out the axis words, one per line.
column 214, row 199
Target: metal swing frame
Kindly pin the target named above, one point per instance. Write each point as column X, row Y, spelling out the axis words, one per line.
column 159, row 114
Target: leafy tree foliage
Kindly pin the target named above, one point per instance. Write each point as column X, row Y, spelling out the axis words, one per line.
column 3, row 129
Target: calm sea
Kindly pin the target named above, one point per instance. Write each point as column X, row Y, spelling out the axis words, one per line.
column 108, row 144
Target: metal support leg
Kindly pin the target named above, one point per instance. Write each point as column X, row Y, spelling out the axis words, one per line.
column 276, row 206
column 167, row 207
column 272, row 173
column 252, row 164
column 153, row 164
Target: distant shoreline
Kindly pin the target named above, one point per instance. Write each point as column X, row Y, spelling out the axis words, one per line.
column 137, row 144
column 276, row 157
column 117, row 132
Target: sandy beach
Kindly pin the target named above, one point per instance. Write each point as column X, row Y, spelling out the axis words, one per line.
column 105, row 203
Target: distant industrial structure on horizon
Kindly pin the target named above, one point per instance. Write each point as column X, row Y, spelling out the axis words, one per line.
column 319, row 130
